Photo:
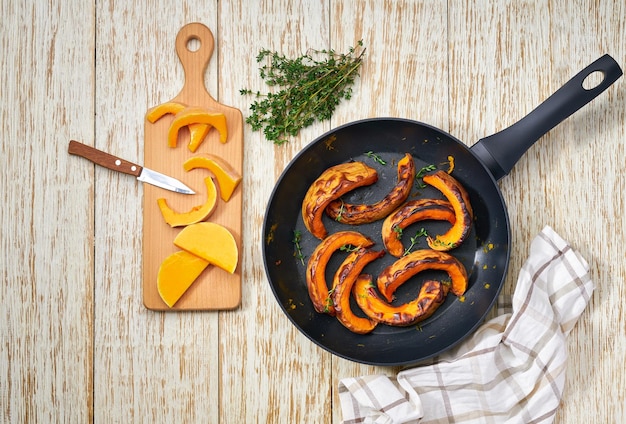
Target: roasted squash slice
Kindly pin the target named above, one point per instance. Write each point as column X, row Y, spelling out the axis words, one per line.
column 410, row 213
column 356, row 214
column 319, row 292
column 343, row 281
column 330, row 185
column 432, row 294
column 459, row 199
column 407, row 266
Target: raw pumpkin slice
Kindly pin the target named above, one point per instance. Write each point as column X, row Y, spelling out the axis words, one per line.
column 196, row 115
column 212, row 242
column 197, row 132
column 227, row 177
column 163, row 109
column 196, row 214
column 177, row 273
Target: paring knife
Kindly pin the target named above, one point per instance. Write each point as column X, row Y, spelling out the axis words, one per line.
column 117, row 164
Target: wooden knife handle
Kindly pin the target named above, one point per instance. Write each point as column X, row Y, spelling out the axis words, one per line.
column 104, row 159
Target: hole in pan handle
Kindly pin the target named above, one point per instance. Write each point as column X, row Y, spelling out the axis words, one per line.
column 501, row 151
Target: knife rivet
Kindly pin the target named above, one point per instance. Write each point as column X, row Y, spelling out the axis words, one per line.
column 133, row 168
column 118, row 162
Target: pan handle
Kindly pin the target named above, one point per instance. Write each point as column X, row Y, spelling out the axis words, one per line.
column 501, row 151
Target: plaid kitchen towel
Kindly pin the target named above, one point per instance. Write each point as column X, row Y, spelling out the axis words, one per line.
column 511, row 370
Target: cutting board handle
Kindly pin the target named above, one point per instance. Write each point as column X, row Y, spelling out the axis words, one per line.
column 194, row 61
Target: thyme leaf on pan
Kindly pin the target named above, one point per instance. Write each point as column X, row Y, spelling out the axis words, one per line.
column 420, row 174
column 297, row 236
column 307, row 88
column 414, row 240
column 342, row 209
column 348, row 248
column 376, row 158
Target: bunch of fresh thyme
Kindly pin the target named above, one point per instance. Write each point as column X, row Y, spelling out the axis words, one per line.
column 309, row 88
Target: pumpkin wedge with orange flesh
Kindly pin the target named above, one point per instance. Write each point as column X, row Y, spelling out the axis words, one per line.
column 197, row 132
column 196, row 115
column 319, row 292
column 227, row 177
column 459, row 199
column 410, row 213
column 431, row 295
column 177, row 273
column 343, row 281
column 196, row 214
column 356, row 214
column 212, row 242
column 415, row 262
column 333, row 183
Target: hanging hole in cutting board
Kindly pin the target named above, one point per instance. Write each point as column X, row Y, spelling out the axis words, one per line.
column 593, row 80
column 193, row 44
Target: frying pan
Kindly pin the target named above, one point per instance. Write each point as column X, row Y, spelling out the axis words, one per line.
column 485, row 253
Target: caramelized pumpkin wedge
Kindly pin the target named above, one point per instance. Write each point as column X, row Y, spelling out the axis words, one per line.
column 431, row 295
column 415, row 262
column 343, row 281
column 319, row 292
column 196, row 214
column 459, row 199
column 410, row 213
column 356, row 214
column 330, row 185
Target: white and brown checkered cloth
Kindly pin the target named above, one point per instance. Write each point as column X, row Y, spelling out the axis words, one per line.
column 511, row 370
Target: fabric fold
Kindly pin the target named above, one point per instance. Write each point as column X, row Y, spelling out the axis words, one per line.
column 511, row 370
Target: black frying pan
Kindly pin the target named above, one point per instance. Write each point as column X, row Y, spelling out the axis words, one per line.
column 485, row 253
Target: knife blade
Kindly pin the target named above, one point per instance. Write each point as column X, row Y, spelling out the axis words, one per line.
column 118, row 164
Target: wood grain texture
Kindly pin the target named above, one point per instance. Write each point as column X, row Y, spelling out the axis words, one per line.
column 77, row 342
column 267, row 366
column 147, row 366
column 46, row 267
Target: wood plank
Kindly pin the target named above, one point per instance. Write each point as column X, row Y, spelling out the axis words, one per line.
column 148, row 366
column 582, row 166
column 269, row 371
column 214, row 288
column 46, row 295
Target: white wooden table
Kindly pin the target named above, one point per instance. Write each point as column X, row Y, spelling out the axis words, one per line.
column 77, row 344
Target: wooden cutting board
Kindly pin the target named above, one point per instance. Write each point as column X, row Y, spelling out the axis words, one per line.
column 215, row 288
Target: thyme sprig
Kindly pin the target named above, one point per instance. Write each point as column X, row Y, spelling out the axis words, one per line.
column 348, row 248
column 297, row 236
column 414, row 240
column 309, row 88
column 420, row 174
column 342, row 209
column 375, row 157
